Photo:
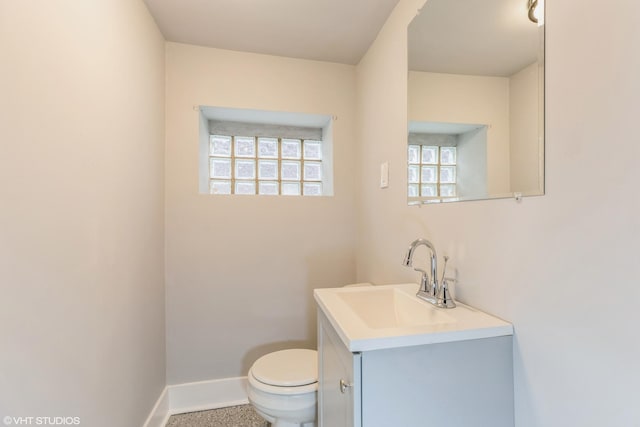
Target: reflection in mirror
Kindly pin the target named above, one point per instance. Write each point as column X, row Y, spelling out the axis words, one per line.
column 476, row 101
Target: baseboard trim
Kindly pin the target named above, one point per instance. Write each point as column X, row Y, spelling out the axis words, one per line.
column 204, row 395
column 197, row 396
column 160, row 413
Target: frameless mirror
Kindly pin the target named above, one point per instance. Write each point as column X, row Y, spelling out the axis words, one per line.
column 476, row 101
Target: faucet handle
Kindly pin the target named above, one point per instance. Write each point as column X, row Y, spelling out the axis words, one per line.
column 424, row 280
column 444, row 298
column 444, row 269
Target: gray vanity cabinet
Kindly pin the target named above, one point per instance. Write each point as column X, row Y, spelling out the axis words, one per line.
column 455, row 384
column 339, row 389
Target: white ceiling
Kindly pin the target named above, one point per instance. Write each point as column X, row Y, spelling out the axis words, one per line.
column 488, row 37
column 325, row 30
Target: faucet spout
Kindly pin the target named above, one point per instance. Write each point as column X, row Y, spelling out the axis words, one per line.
column 432, row 288
column 407, row 261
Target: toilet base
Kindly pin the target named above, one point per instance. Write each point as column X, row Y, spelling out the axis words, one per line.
column 279, row 412
column 288, row 424
column 281, row 423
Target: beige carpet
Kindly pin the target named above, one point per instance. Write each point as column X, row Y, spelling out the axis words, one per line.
column 234, row 416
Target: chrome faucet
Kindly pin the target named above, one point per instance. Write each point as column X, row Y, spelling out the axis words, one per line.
column 430, row 290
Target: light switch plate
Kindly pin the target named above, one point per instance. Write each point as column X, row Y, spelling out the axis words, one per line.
column 384, row 175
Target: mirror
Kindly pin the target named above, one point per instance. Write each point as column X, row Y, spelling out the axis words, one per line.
column 476, row 101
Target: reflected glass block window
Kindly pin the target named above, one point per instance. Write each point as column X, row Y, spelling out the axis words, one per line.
column 432, row 171
column 265, row 166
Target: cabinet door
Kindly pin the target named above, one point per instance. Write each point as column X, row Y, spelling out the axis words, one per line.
column 339, row 381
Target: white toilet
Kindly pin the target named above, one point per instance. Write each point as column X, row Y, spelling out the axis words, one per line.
column 283, row 387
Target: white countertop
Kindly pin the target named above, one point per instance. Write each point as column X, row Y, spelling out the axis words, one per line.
column 366, row 330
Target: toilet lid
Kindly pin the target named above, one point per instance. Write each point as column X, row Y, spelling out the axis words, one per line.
column 287, row 368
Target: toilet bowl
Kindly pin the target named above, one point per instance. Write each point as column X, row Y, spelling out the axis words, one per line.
column 283, row 386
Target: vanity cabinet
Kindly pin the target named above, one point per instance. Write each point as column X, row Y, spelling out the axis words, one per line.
column 454, row 384
column 339, row 388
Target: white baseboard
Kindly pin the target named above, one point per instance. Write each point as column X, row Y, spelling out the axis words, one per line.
column 160, row 413
column 198, row 396
column 203, row 395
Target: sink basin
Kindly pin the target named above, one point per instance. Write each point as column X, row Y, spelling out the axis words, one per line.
column 390, row 316
column 392, row 308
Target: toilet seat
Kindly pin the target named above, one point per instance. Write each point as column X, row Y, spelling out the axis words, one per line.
column 293, row 371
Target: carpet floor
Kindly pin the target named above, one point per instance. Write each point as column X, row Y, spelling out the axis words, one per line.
column 234, row 416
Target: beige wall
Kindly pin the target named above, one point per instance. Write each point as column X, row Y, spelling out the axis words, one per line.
column 240, row 270
column 524, row 130
column 81, row 238
column 563, row 267
column 453, row 98
column 81, row 222
column 383, row 217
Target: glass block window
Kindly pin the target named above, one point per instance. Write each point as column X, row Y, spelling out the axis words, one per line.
column 265, row 166
column 432, row 171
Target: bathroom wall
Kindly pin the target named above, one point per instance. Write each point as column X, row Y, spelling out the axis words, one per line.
column 241, row 270
column 81, row 218
column 454, row 98
column 563, row 267
column 524, row 103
